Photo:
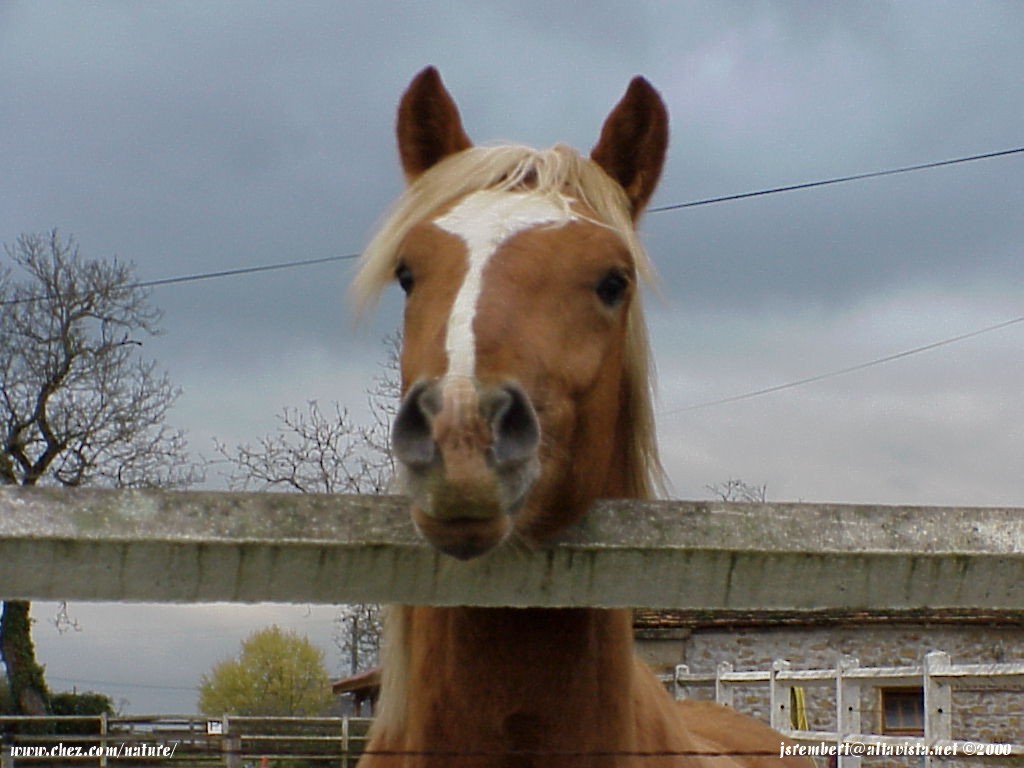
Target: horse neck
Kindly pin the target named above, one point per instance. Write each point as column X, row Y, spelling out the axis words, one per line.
column 515, row 678
column 520, row 678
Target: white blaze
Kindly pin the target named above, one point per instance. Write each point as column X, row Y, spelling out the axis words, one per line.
column 485, row 220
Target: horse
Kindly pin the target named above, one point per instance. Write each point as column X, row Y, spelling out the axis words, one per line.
column 526, row 396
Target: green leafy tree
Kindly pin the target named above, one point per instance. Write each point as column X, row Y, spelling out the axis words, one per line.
column 79, row 404
column 277, row 672
column 87, row 704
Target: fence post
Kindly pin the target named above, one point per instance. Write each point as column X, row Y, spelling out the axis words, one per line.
column 345, row 743
column 232, row 746
column 104, row 727
column 778, row 696
column 723, row 688
column 677, row 687
column 938, row 701
column 848, row 707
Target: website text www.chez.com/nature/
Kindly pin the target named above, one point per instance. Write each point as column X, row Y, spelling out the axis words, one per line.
column 109, row 751
column 883, row 749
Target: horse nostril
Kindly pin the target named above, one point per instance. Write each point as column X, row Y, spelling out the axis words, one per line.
column 411, row 438
column 514, row 426
column 506, row 410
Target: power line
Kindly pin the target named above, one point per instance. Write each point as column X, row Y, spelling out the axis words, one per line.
column 837, row 180
column 197, row 277
column 243, row 271
column 193, row 278
column 200, row 276
column 844, row 371
column 113, row 684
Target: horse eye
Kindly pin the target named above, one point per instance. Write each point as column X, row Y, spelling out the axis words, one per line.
column 404, row 276
column 612, row 288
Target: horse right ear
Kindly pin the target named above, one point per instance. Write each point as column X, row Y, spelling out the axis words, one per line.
column 429, row 127
column 633, row 143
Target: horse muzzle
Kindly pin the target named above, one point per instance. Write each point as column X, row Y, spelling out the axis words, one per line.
column 468, row 453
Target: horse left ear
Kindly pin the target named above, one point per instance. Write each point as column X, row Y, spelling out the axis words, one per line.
column 429, row 126
column 633, row 142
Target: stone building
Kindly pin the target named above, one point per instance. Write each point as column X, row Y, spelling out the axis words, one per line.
column 990, row 711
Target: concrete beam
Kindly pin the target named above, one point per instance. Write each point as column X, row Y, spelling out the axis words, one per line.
column 199, row 547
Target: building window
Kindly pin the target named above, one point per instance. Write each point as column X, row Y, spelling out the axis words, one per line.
column 903, row 711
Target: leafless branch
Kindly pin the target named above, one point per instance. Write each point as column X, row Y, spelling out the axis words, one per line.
column 737, row 490
column 316, row 452
column 77, row 403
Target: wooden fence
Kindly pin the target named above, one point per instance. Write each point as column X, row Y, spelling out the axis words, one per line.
column 195, row 741
column 851, row 684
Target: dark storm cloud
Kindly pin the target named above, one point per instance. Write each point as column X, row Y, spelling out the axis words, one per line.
column 195, row 137
column 203, row 136
column 803, row 97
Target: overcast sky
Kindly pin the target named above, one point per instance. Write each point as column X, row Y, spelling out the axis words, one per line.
column 203, row 136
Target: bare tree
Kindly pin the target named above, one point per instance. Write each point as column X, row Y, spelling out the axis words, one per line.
column 311, row 452
column 78, row 403
column 357, row 635
column 737, row 490
column 314, row 452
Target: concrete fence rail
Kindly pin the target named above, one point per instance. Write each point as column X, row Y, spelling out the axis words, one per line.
column 160, row 546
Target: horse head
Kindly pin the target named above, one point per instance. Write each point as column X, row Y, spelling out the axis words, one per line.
column 524, row 361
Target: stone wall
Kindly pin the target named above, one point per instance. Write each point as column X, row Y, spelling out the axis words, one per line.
column 989, row 712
